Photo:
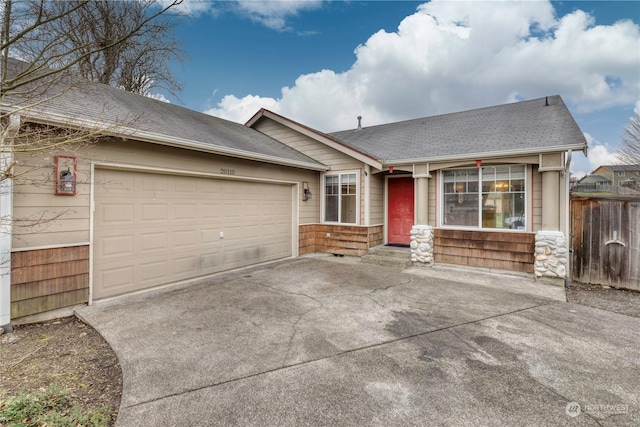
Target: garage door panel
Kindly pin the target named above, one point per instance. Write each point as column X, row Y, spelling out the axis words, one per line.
column 154, row 241
column 153, row 272
column 116, row 277
column 158, row 229
column 154, row 212
column 185, row 211
column 117, row 246
column 185, row 238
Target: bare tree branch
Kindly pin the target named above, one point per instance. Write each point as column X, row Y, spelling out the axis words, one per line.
column 629, row 148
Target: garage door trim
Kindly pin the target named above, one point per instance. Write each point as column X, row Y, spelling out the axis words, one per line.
column 295, row 189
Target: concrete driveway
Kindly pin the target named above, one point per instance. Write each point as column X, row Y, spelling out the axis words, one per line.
column 329, row 341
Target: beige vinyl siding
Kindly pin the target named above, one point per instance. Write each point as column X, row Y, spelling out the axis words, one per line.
column 537, row 199
column 41, row 218
column 336, row 160
column 432, row 212
column 376, row 200
column 309, row 146
column 72, row 227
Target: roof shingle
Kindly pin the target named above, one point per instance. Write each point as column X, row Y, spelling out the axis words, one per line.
column 521, row 127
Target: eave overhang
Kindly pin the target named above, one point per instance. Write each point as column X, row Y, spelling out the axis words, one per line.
column 106, row 129
column 316, row 135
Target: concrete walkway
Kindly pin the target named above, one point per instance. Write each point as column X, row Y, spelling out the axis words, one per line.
column 329, row 341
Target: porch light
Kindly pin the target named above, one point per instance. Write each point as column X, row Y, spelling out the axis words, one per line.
column 65, row 174
column 306, row 193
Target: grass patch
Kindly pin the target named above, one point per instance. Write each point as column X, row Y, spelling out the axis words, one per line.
column 51, row 406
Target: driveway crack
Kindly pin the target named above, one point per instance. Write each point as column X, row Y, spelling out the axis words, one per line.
column 330, row 356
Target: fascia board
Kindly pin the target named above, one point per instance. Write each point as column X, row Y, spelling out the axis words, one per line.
column 322, row 139
column 485, row 156
column 150, row 137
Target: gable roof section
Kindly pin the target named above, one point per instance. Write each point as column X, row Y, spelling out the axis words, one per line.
column 595, row 178
column 528, row 127
column 323, row 138
column 621, row 168
column 125, row 114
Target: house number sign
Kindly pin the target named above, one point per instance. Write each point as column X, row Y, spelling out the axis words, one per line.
column 225, row 171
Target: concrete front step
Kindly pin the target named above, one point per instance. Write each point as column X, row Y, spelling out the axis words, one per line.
column 388, row 256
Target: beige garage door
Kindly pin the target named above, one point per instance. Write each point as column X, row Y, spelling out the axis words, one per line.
column 151, row 229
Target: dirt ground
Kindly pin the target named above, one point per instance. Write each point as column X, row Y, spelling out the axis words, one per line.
column 64, row 352
column 73, row 355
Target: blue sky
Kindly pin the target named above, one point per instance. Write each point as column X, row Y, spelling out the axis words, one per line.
column 323, row 63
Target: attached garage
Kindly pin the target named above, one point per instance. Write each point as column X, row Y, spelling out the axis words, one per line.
column 151, row 229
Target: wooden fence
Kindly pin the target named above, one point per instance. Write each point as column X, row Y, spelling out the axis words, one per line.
column 605, row 239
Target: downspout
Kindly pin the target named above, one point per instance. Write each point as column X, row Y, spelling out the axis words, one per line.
column 567, row 178
column 367, row 195
column 6, row 218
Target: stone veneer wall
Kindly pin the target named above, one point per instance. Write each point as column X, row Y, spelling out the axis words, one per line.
column 421, row 245
column 551, row 255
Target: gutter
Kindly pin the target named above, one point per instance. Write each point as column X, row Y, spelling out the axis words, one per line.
column 485, row 155
column 159, row 139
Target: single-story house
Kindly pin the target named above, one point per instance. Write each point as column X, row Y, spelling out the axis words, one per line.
column 486, row 188
column 594, row 181
column 164, row 194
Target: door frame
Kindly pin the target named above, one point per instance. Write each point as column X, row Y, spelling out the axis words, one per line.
column 386, row 201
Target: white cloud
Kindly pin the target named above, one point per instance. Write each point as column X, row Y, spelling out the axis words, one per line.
column 452, row 56
column 241, row 110
column 271, row 14
column 599, row 154
column 274, row 14
column 158, row 96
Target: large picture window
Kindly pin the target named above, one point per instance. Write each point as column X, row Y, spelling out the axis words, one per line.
column 340, row 197
column 486, row 197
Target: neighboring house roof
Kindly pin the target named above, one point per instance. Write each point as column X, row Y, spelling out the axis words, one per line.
column 122, row 113
column 595, row 178
column 621, row 168
column 537, row 126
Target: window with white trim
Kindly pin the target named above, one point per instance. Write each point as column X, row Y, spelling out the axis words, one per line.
column 492, row 197
column 340, row 197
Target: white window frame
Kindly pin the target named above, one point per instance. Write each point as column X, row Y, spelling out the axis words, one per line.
column 323, row 198
column 527, row 196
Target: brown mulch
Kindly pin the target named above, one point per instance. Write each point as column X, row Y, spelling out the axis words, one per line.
column 64, row 352
column 68, row 353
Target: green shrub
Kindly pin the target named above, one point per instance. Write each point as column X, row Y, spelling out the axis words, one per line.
column 49, row 407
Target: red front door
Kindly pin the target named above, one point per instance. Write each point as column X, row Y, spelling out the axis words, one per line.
column 400, row 210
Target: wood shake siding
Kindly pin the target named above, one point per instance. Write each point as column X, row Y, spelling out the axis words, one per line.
column 339, row 239
column 48, row 279
column 486, row 249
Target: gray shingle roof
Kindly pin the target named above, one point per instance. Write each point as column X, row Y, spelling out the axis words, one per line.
column 622, row 168
column 521, row 127
column 91, row 102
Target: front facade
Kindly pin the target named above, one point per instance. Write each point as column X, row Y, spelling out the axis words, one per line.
column 463, row 188
column 185, row 195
